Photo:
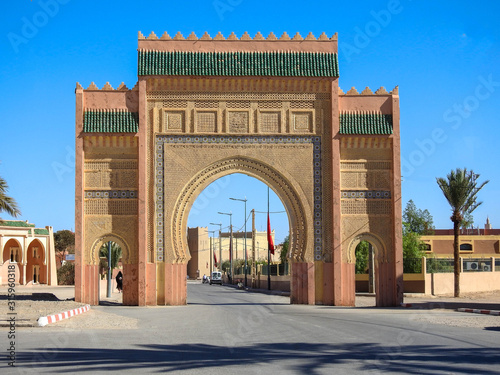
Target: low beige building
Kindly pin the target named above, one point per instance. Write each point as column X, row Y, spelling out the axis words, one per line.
column 474, row 243
column 30, row 250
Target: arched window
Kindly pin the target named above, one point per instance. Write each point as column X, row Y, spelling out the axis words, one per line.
column 466, row 247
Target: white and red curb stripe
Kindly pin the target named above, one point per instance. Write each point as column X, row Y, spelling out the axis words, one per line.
column 479, row 311
column 44, row 320
column 406, row 305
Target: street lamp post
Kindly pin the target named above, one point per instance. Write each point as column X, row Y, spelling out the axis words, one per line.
column 246, row 257
column 211, row 249
column 230, row 240
column 220, row 245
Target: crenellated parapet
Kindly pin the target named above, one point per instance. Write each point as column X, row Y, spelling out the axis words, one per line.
column 367, row 91
column 245, row 36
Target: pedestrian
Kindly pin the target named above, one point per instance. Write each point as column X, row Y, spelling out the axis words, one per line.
column 119, row 281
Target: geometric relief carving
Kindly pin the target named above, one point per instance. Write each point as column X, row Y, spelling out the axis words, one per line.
column 110, row 194
column 302, row 122
column 106, row 165
column 365, row 180
column 117, row 179
column 110, row 207
column 366, row 194
column 206, row 122
column 366, row 207
column 238, row 121
column 174, row 121
column 366, row 165
column 270, row 122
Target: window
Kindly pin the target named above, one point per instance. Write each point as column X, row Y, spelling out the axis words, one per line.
column 35, row 252
column 466, row 247
column 14, row 254
column 427, row 247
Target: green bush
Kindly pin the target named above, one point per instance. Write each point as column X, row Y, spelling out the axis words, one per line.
column 66, row 274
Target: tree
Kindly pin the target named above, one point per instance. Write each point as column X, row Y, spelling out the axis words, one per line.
column 7, row 204
column 460, row 189
column 116, row 253
column 418, row 221
column 413, row 250
column 284, row 250
column 362, row 253
column 467, row 221
column 64, row 241
column 66, row 274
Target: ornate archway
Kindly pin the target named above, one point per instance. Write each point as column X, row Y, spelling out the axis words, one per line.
column 293, row 201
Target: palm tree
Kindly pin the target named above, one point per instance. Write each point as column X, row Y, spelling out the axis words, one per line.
column 460, row 190
column 7, row 204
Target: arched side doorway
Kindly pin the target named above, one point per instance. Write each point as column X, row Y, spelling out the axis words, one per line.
column 296, row 202
column 93, row 275
column 380, row 258
column 36, row 263
column 12, row 253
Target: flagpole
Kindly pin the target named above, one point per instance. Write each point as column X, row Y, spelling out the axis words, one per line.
column 268, row 247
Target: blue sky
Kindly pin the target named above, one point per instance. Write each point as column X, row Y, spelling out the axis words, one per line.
column 444, row 56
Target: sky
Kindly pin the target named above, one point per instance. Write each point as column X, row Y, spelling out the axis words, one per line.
column 444, row 56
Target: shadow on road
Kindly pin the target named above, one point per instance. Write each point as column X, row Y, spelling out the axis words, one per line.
column 298, row 357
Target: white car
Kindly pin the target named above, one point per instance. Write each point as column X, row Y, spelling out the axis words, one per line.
column 216, row 278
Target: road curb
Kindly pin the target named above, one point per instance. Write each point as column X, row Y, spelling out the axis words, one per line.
column 406, row 305
column 480, row 311
column 44, row 320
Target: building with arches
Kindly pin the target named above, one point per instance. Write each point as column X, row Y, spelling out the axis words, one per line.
column 31, row 250
column 270, row 108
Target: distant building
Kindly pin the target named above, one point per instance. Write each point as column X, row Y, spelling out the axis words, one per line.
column 199, row 248
column 31, row 250
column 474, row 243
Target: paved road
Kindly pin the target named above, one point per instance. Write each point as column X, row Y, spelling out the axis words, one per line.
column 227, row 331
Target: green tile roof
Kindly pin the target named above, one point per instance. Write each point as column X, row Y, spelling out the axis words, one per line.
column 277, row 64
column 42, row 231
column 16, row 223
column 366, row 123
column 110, row 122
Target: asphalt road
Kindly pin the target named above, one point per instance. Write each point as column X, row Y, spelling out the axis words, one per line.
column 227, row 331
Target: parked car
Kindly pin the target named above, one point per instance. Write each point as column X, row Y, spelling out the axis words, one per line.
column 216, row 278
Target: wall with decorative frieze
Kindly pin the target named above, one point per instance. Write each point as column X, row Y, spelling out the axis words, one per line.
column 110, row 195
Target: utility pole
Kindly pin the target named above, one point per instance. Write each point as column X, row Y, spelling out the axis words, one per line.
column 211, row 249
column 246, row 254
column 108, row 294
column 230, row 240
column 220, row 245
column 254, row 265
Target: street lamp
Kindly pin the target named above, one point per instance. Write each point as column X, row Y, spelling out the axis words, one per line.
column 220, row 245
column 230, row 241
column 246, row 260
column 210, row 255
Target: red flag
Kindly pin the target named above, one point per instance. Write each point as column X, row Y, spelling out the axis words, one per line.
column 270, row 242
column 215, row 259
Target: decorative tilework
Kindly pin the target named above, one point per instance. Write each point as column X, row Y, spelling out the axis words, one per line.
column 110, row 121
column 278, row 64
column 366, row 194
column 110, row 194
column 179, row 139
column 365, row 123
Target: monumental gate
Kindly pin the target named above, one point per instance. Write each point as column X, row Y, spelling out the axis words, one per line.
column 270, row 108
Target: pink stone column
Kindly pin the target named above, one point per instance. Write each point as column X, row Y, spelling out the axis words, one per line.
column 337, row 217
column 396, row 277
column 79, row 199
column 142, row 197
